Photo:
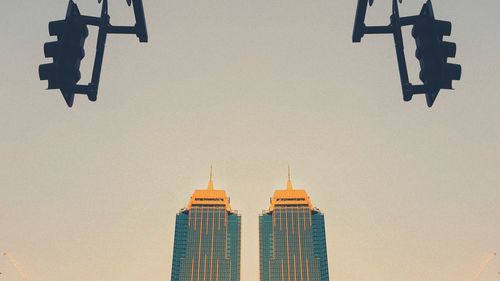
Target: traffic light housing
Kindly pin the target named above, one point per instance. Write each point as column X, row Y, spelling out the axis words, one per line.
column 433, row 53
column 67, row 52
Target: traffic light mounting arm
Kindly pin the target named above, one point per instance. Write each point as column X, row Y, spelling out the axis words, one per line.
column 139, row 29
column 360, row 29
column 394, row 28
column 105, row 28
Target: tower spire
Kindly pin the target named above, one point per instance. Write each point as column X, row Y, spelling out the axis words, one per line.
column 289, row 185
column 210, row 181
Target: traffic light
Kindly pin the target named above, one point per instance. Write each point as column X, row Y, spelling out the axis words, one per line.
column 67, row 52
column 433, row 53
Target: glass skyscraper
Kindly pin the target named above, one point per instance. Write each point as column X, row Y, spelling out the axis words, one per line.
column 207, row 238
column 292, row 238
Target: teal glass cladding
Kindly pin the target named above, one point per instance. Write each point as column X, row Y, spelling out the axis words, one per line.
column 293, row 245
column 207, row 245
column 319, row 241
column 180, row 239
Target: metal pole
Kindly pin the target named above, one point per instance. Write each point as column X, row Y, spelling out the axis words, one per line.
column 398, row 42
column 99, row 56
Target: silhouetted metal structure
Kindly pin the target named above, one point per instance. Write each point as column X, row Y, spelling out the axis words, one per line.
column 68, row 50
column 432, row 52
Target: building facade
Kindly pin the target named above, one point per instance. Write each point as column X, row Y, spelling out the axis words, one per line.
column 292, row 239
column 207, row 239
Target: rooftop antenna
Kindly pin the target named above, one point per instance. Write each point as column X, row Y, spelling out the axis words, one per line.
column 210, row 181
column 289, row 185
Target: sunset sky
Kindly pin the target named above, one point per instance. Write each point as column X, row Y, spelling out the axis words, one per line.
column 90, row 193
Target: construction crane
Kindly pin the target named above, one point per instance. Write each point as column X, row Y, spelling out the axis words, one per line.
column 13, row 262
column 483, row 266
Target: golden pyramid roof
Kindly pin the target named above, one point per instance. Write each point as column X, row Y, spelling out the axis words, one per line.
column 290, row 196
column 209, row 197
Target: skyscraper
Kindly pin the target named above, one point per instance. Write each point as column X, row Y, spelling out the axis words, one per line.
column 207, row 238
column 292, row 238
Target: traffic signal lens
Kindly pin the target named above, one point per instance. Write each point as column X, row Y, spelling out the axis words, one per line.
column 449, row 49
column 453, row 71
column 442, row 27
column 46, row 71
column 57, row 27
column 51, row 49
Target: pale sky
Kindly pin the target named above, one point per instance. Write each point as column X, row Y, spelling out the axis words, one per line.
column 409, row 193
